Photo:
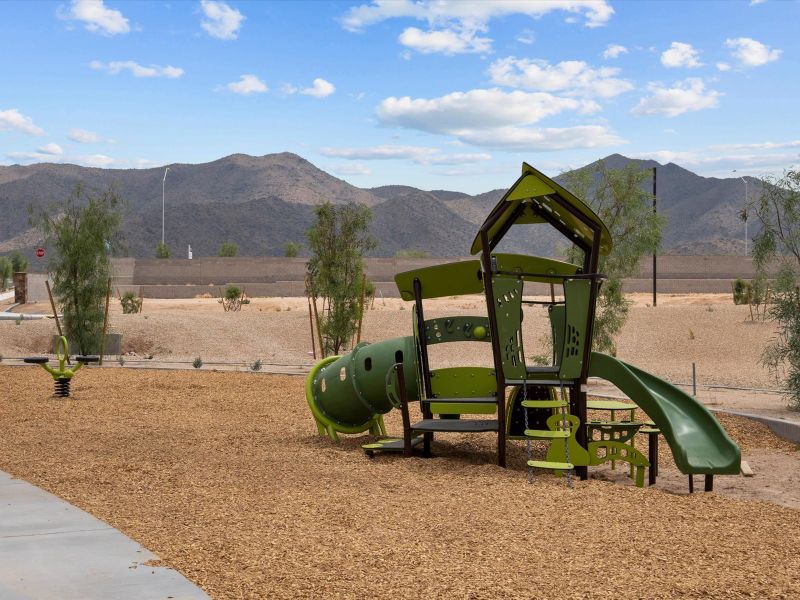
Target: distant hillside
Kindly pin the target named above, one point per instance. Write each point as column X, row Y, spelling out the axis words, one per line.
column 263, row 202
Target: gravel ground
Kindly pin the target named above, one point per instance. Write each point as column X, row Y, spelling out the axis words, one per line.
column 223, row 476
column 706, row 329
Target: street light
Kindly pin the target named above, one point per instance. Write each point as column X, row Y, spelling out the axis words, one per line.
column 744, row 212
column 163, row 184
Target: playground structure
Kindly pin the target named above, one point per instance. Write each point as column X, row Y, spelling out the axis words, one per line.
column 62, row 375
column 349, row 394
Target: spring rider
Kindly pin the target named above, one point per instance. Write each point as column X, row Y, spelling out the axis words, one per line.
column 62, row 375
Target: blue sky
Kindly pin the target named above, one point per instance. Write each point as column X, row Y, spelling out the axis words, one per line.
column 435, row 94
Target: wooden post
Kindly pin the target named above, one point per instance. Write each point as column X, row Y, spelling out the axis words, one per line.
column 55, row 313
column 552, row 294
column 141, row 299
column 311, row 325
column 105, row 324
column 319, row 332
column 361, row 307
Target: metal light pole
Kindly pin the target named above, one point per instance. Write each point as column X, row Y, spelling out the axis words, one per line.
column 744, row 212
column 163, row 184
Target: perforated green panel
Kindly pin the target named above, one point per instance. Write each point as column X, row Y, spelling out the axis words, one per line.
column 457, row 329
column 573, row 338
column 463, row 382
column 508, row 306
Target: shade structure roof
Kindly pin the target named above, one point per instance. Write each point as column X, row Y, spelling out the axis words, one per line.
column 535, row 198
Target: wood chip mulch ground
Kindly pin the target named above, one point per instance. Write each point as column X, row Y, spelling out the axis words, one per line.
column 224, row 477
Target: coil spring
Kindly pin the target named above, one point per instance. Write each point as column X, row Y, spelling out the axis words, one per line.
column 62, row 387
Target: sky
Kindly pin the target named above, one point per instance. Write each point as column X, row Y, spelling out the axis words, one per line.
column 430, row 93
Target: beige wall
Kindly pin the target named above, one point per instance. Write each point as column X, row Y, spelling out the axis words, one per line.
column 278, row 276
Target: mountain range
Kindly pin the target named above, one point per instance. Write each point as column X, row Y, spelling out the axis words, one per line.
column 263, row 202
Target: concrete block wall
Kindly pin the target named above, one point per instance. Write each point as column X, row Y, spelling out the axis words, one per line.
column 279, row 276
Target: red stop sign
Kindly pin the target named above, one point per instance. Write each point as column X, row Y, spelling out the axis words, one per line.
column 39, row 252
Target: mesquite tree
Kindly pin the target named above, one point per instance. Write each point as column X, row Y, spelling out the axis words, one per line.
column 338, row 241
column 620, row 199
column 777, row 246
column 81, row 232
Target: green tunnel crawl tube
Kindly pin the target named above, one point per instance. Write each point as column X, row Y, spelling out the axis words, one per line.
column 347, row 394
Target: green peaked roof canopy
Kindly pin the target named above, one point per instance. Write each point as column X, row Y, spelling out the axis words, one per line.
column 535, row 198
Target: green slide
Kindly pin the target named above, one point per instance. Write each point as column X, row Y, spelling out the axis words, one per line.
column 698, row 442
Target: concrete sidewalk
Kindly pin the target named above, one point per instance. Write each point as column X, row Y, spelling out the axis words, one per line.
column 51, row 550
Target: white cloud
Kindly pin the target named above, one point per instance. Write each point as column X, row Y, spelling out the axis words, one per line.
column 596, row 12
column 221, row 21
column 614, row 51
column 723, row 66
column 423, row 155
column 52, row 148
column 356, row 169
column 684, row 96
column 751, row 53
column 573, row 77
column 680, row 55
column 527, row 37
column 248, row 84
column 454, row 27
column 495, row 118
column 528, row 139
column 97, row 17
column 319, row 89
column 46, row 154
column 720, row 160
column 82, row 136
column 12, row 119
column 445, row 41
column 137, row 70
column 754, row 2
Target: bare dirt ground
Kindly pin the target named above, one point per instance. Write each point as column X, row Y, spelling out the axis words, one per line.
column 223, row 475
column 706, row 329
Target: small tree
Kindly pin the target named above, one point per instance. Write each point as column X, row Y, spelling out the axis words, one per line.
column 338, row 241
column 6, row 271
column 131, row 303
column 19, row 263
column 290, row 249
column 81, row 230
column 777, row 246
column 619, row 198
column 228, row 249
column 162, row 250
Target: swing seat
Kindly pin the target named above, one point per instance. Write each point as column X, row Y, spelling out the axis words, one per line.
column 549, row 464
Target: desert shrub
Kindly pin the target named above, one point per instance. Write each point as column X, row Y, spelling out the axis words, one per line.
column 197, row 362
column 19, row 264
column 778, row 244
column 82, row 231
column 740, row 291
column 131, row 304
column 619, row 198
column 256, row 366
column 162, row 250
column 228, row 249
column 5, row 273
column 233, row 298
column 338, row 240
column 291, row 250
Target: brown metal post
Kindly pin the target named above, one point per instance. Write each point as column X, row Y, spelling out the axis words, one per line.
column 486, row 260
column 652, row 443
column 55, row 313
column 427, row 437
column 105, row 324
column 710, row 482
